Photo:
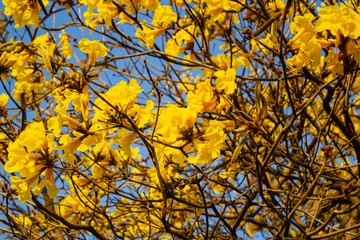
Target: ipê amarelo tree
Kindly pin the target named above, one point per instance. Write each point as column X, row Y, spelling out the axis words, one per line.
column 180, row 119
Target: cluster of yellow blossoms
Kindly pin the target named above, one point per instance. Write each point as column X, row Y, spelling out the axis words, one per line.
column 32, row 157
column 94, row 130
column 337, row 30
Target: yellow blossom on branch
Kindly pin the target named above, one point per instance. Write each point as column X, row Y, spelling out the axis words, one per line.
column 24, row 12
column 30, row 157
column 7, row 60
column 122, row 97
column 209, row 145
column 3, row 100
column 66, row 47
column 339, row 19
column 225, row 80
column 94, row 48
column 148, row 35
column 174, row 123
column 163, row 16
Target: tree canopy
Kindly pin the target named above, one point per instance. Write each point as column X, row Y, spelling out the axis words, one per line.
column 180, row 119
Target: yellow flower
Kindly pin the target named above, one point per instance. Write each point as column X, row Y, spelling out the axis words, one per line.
column 163, row 16
column 275, row 6
column 303, row 29
column 173, row 48
column 121, row 96
column 24, row 12
column 89, row 15
column 7, row 60
column 94, row 48
column 28, row 156
column 3, row 100
column 334, row 64
column 49, row 181
column 186, row 34
column 150, row 5
column 210, row 144
column 125, row 140
column 107, row 12
column 19, row 67
column 66, row 47
column 142, row 115
column 125, row 18
column 27, row 137
column 354, row 50
column 174, row 123
column 22, row 187
column 338, row 20
column 69, row 147
column 203, row 99
column 71, row 207
column 148, row 35
column 307, row 53
column 25, row 220
column 215, row 7
column 225, row 80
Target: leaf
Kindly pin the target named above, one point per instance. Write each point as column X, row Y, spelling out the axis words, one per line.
column 261, row 104
column 263, row 107
column 274, row 28
column 45, row 58
column 239, row 148
column 258, row 99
